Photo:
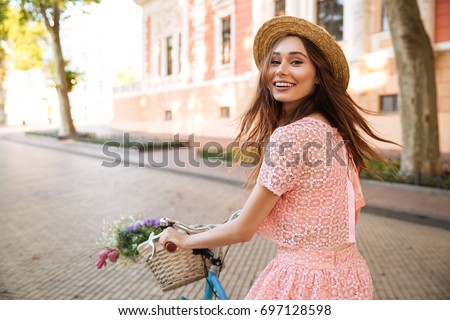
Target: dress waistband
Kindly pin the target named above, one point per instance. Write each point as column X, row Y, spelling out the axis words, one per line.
column 322, row 259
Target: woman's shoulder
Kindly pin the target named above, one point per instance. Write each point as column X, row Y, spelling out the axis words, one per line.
column 314, row 123
column 305, row 126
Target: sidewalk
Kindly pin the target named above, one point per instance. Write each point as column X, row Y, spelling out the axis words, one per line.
column 55, row 195
column 429, row 206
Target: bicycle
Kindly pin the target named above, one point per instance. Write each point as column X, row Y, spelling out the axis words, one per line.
column 213, row 286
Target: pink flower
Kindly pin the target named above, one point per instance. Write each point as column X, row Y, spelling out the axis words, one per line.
column 113, row 255
column 103, row 255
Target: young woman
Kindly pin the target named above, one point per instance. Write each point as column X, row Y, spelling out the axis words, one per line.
column 307, row 196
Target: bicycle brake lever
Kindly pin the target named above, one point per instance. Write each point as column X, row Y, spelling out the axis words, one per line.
column 166, row 222
column 149, row 243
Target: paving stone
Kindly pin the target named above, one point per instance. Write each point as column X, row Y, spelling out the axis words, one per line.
column 53, row 203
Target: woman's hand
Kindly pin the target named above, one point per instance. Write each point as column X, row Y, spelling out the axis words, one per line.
column 171, row 235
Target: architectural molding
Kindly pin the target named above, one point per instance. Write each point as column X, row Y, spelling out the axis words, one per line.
column 357, row 28
column 223, row 9
column 442, row 46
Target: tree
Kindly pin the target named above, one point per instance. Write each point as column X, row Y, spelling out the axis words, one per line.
column 3, row 37
column 26, row 41
column 72, row 75
column 52, row 12
column 22, row 43
column 416, row 75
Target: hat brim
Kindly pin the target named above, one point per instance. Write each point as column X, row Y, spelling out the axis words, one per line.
column 279, row 27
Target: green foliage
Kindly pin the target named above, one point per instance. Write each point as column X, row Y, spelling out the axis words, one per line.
column 139, row 143
column 125, row 76
column 390, row 172
column 216, row 154
column 127, row 242
column 3, row 15
column 35, row 9
column 26, row 40
column 385, row 171
column 3, row 36
column 248, row 159
column 122, row 237
column 72, row 78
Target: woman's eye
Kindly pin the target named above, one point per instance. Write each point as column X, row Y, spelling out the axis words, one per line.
column 274, row 62
column 297, row 62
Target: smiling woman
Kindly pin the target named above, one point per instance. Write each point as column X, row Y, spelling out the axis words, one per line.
column 307, row 195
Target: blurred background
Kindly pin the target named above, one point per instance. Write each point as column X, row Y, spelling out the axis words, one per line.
column 78, row 71
column 102, row 46
column 185, row 66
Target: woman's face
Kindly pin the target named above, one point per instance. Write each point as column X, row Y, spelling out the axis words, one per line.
column 291, row 74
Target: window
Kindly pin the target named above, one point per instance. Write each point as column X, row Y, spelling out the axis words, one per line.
column 226, row 40
column 159, row 58
column 168, row 115
column 179, row 52
column 330, row 15
column 169, row 50
column 280, row 8
column 384, row 18
column 224, row 112
column 389, row 103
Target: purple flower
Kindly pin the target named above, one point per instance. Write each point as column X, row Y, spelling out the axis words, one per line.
column 147, row 223
column 152, row 222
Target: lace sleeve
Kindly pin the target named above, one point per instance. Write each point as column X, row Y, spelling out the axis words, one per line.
column 282, row 160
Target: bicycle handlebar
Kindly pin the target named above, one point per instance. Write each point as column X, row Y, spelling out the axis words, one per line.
column 170, row 247
column 170, row 223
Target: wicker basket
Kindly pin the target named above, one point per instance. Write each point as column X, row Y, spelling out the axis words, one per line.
column 174, row 270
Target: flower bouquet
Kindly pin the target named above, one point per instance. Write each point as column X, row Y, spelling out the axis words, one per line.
column 120, row 239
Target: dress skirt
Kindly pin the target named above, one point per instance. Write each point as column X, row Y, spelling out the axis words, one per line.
column 303, row 274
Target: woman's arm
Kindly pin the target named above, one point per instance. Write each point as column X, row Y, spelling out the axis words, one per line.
column 242, row 229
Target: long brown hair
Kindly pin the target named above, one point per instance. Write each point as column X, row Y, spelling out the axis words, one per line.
column 329, row 98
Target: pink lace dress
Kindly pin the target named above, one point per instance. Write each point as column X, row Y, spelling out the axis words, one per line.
column 314, row 220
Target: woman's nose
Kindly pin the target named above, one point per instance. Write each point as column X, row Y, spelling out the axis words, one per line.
column 282, row 69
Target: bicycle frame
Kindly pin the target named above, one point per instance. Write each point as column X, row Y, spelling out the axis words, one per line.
column 214, row 282
column 213, row 287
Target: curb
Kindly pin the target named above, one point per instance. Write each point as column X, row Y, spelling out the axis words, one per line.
column 423, row 219
column 407, row 187
column 236, row 182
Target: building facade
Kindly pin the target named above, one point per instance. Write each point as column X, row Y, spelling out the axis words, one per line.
column 199, row 73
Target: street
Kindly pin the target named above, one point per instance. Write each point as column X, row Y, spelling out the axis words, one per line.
column 52, row 205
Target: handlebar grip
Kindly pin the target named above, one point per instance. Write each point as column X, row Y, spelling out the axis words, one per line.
column 170, row 247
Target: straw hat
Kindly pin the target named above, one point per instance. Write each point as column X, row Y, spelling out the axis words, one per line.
column 282, row 26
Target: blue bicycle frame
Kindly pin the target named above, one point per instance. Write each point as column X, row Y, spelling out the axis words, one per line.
column 213, row 287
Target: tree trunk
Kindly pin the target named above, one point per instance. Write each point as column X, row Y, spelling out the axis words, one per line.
column 67, row 128
column 416, row 73
column 2, row 90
